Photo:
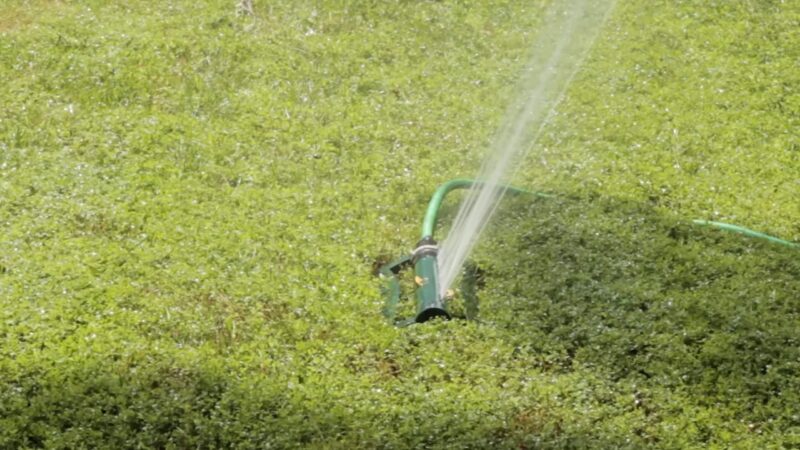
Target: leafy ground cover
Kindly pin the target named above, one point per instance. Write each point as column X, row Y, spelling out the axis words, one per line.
column 192, row 203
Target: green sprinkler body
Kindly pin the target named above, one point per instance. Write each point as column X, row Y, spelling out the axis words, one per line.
column 426, row 277
column 429, row 302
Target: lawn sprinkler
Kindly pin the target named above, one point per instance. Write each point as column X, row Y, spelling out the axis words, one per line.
column 426, row 278
column 429, row 301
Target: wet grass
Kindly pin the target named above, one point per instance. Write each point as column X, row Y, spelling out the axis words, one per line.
column 191, row 203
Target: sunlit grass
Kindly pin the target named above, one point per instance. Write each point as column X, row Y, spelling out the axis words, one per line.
column 191, row 203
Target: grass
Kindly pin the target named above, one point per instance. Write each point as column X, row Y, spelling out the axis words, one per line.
column 191, row 204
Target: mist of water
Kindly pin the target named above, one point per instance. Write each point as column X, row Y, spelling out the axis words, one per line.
column 569, row 30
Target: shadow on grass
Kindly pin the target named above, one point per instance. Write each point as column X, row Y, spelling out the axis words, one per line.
column 651, row 299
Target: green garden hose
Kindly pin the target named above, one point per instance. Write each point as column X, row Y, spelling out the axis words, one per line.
column 746, row 232
column 429, row 223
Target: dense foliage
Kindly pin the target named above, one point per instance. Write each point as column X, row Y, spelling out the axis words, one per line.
column 192, row 202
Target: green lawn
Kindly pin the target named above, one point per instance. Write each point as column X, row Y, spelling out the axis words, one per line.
column 192, row 204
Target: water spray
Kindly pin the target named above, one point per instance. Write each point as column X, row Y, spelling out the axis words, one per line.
column 568, row 30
